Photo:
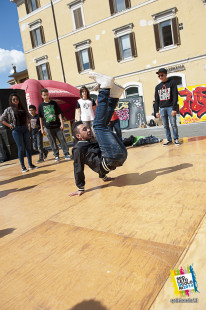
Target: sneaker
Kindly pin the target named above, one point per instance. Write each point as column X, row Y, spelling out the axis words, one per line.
column 116, row 91
column 167, row 143
column 41, row 160
column 23, row 170
column 104, row 80
column 32, row 167
column 45, row 154
column 177, row 142
column 57, row 159
column 68, row 157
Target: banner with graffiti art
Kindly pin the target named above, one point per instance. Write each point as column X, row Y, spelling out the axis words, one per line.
column 192, row 104
column 131, row 112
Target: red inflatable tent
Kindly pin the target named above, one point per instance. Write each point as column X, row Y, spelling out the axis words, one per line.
column 63, row 93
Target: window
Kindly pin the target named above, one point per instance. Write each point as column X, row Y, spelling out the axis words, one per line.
column 43, row 72
column 84, row 56
column 132, row 91
column 76, row 8
column 119, row 5
column 37, row 37
column 36, row 33
column 43, row 68
column 125, row 43
column 31, row 5
column 166, row 29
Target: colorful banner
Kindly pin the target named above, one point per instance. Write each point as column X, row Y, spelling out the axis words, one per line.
column 192, row 104
column 67, row 134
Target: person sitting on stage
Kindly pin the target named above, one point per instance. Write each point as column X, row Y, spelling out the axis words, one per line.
column 109, row 152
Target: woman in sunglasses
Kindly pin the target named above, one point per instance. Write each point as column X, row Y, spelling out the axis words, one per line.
column 17, row 118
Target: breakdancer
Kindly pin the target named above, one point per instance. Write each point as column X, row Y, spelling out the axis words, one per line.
column 109, row 152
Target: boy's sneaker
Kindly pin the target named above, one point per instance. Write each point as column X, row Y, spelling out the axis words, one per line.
column 68, row 157
column 32, row 167
column 116, row 91
column 177, row 142
column 104, row 80
column 45, row 154
column 57, row 159
column 40, row 161
column 24, row 169
column 167, row 143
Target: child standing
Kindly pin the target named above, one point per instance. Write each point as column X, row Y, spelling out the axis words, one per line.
column 50, row 116
column 85, row 107
column 37, row 137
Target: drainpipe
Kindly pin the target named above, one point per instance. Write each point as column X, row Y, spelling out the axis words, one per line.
column 57, row 37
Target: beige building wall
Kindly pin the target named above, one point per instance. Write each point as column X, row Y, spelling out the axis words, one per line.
column 99, row 26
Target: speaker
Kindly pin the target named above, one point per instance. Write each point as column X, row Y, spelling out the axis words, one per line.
column 4, row 97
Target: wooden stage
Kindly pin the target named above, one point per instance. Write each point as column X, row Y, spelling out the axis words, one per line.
column 113, row 247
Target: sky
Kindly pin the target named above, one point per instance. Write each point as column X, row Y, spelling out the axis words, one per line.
column 11, row 48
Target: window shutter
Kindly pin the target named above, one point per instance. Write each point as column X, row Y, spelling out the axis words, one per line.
column 127, row 4
column 78, row 18
column 37, row 3
column 111, row 4
column 91, row 59
column 48, row 71
column 38, row 72
column 175, row 30
column 118, row 51
column 42, row 35
column 157, row 36
column 32, row 38
column 78, row 62
column 133, row 44
column 28, row 6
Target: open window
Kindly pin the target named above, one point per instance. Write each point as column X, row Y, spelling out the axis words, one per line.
column 166, row 29
column 36, row 33
column 125, row 43
column 117, row 6
column 43, row 68
column 31, row 5
column 84, row 56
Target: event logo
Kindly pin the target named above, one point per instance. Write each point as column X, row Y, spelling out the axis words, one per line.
column 184, row 281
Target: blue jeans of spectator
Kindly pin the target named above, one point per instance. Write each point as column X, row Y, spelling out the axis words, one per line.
column 37, row 139
column 112, row 148
column 115, row 125
column 53, row 134
column 165, row 114
column 21, row 137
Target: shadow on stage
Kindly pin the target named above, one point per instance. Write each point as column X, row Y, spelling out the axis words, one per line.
column 137, row 179
column 13, row 190
column 89, row 305
column 7, row 231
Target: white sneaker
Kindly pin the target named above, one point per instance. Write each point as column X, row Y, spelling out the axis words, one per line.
column 104, row 80
column 116, row 91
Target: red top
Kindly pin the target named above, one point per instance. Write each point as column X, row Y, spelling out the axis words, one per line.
column 114, row 117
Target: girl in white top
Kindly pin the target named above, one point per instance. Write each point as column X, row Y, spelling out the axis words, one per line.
column 85, row 107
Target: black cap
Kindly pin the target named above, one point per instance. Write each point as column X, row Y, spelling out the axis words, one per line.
column 162, row 70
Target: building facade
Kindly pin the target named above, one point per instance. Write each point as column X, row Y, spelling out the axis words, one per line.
column 128, row 39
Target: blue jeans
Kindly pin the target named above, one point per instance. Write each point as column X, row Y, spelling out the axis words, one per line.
column 165, row 114
column 115, row 125
column 37, row 139
column 112, row 148
column 21, row 137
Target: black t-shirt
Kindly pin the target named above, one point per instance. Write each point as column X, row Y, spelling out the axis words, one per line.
column 49, row 111
column 35, row 123
column 21, row 118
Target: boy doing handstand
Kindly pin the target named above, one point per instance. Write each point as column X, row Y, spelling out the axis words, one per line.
column 109, row 152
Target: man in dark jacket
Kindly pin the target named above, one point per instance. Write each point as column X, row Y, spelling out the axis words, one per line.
column 109, row 152
column 166, row 97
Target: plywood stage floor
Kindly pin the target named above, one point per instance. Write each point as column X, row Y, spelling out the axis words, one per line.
column 113, row 247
